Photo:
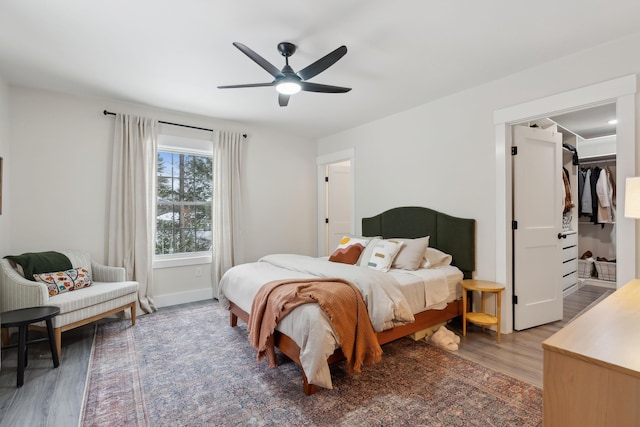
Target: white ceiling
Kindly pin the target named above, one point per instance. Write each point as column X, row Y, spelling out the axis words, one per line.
column 174, row 54
column 589, row 123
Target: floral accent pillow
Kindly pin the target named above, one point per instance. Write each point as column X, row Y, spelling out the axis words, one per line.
column 349, row 250
column 65, row 281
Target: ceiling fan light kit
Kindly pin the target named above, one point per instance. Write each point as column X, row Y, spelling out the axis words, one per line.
column 286, row 81
column 288, row 87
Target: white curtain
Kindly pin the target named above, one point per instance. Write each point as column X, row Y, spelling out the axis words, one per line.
column 133, row 200
column 227, row 204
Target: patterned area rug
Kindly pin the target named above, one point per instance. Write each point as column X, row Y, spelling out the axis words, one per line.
column 188, row 367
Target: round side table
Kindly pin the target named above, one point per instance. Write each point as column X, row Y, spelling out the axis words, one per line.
column 481, row 318
column 22, row 318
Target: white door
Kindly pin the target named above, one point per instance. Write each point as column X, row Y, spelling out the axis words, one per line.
column 338, row 203
column 537, row 212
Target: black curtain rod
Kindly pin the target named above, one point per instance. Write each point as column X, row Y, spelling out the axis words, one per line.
column 109, row 113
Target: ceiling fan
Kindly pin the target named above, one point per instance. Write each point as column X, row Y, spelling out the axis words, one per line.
column 287, row 81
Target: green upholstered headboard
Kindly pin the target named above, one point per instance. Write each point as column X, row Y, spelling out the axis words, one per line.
column 453, row 235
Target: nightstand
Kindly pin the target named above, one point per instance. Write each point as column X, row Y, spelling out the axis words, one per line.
column 481, row 318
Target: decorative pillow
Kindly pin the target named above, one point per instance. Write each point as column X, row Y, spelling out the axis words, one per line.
column 436, row 258
column 349, row 250
column 412, row 253
column 65, row 281
column 384, row 253
column 366, row 253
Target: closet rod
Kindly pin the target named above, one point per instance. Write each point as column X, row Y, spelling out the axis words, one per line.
column 597, row 159
column 109, row 113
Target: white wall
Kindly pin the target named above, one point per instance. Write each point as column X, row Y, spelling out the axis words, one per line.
column 4, row 153
column 443, row 155
column 61, row 173
column 440, row 155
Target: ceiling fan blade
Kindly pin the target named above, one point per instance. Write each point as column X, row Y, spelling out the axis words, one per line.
column 270, row 68
column 283, row 99
column 317, row 87
column 322, row 64
column 247, row 85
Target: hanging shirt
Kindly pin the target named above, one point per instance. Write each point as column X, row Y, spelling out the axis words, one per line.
column 567, row 202
column 586, row 194
column 581, row 175
column 595, row 174
column 605, row 195
column 612, row 183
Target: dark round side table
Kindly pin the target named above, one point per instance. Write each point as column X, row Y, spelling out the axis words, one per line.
column 22, row 318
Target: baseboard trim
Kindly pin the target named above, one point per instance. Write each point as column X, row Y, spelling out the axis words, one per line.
column 596, row 282
column 182, row 297
column 571, row 289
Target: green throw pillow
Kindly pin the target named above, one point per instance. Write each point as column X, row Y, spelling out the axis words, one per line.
column 40, row 262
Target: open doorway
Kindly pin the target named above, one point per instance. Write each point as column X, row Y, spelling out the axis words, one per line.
column 564, row 205
column 336, row 207
column 619, row 91
column 338, row 220
column 593, row 133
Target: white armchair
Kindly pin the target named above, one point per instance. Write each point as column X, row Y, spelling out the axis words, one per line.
column 109, row 293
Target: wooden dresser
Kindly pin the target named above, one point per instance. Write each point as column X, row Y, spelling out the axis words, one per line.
column 592, row 365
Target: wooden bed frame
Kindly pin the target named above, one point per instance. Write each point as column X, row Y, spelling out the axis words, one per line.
column 455, row 236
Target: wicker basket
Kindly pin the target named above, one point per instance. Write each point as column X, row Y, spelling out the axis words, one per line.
column 585, row 268
column 606, row 270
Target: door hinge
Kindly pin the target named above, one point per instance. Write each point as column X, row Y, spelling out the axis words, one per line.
column 326, row 220
column 514, row 225
column 514, row 150
column 326, row 179
column 515, row 299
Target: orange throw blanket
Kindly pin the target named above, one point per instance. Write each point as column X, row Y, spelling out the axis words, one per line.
column 340, row 300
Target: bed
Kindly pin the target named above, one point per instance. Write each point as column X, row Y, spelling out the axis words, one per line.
column 399, row 302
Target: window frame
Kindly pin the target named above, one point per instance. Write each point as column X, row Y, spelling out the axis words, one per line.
column 190, row 146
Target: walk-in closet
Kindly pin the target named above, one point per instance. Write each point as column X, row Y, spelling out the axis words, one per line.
column 597, row 230
column 589, row 217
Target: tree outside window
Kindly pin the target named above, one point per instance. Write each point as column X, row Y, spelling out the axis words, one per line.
column 183, row 221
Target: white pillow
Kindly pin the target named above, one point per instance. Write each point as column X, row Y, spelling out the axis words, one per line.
column 436, row 258
column 412, row 254
column 384, row 252
column 368, row 250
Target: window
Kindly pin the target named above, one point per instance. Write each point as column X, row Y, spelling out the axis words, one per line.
column 184, row 195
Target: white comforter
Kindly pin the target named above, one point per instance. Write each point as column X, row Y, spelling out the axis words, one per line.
column 386, row 305
column 307, row 325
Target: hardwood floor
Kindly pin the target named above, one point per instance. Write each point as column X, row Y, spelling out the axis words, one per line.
column 520, row 354
column 53, row 397
column 50, row 397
